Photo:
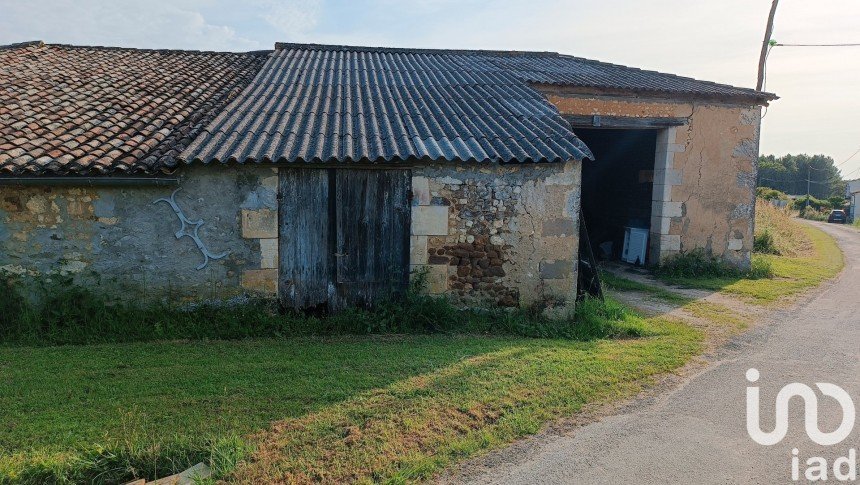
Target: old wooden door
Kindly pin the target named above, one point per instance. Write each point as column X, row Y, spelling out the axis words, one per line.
column 344, row 236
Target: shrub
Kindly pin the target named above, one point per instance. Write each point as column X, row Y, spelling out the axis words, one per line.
column 816, row 206
column 64, row 313
column 837, row 202
column 814, row 214
column 760, row 269
column 698, row 264
column 765, row 243
column 767, row 193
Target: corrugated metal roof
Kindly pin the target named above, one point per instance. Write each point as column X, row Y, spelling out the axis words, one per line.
column 315, row 103
column 329, row 105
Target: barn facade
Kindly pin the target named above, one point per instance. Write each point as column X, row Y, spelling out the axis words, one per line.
column 327, row 175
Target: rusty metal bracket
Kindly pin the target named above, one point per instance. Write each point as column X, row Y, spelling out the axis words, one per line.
column 183, row 230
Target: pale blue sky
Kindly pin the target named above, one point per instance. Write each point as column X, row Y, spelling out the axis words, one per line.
column 716, row 40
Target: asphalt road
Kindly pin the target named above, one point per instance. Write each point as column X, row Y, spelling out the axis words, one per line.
column 697, row 432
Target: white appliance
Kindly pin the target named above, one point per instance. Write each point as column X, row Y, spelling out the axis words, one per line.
column 635, row 245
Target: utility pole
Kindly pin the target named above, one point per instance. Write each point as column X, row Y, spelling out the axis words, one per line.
column 764, row 45
column 808, row 181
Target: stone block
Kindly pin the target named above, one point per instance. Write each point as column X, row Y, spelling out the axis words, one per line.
column 669, row 176
column 661, row 193
column 436, row 277
column 259, row 224
column 429, row 220
column 670, row 242
column 420, row 191
column 418, row 249
column 556, row 269
column 672, row 209
column 268, row 253
column 558, row 227
column 735, row 244
column 667, row 136
column 663, row 159
column 262, row 281
column 660, row 225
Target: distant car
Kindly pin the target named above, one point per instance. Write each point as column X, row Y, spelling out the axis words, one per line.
column 837, row 216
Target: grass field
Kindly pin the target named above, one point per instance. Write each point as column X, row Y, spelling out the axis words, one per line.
column 334, row 409
column 346, row 408
column 814, row 258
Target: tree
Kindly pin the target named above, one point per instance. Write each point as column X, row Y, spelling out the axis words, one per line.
column 789, row 174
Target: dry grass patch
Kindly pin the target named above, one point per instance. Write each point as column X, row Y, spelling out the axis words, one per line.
column 411, row 429
column 788, row 236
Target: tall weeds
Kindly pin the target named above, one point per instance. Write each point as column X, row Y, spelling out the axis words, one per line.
column 60, row 312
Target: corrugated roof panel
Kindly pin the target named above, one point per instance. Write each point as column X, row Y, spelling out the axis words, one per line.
column 335, row 105
column 343, row 104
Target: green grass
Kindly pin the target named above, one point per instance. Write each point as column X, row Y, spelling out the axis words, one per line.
column 65, row 313
column 107, row 413
column 335, row 408
column 710, row 311
column 617, row 283
column 415, row 427
column 791, row 275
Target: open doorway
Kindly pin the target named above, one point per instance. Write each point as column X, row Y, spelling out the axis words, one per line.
column 617, row 190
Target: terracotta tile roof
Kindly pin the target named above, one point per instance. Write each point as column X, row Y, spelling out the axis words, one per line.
column 97, row 110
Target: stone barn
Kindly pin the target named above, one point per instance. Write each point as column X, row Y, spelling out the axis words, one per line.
column 326, row 175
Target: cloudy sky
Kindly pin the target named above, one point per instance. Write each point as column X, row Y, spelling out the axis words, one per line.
column 718, row 40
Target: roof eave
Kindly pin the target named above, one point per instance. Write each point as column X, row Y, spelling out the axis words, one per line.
column 760, row 98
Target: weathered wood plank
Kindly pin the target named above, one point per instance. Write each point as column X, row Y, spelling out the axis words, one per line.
column 195, row 474
column 304, row 242
column 372, row 234
column 594, row 121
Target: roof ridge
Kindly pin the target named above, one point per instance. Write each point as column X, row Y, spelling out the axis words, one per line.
column 355, row 48
column 132, row 49
column 19, row 45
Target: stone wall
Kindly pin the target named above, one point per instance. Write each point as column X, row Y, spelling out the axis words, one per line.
column 490, row 234
column 485, row 234
column 124, row 241
column 705, row 171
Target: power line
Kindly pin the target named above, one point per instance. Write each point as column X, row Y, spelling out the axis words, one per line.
column 849, row 158
column 853, row 171
column 816, row 45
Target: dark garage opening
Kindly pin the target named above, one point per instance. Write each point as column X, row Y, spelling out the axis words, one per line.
column 617, row 189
